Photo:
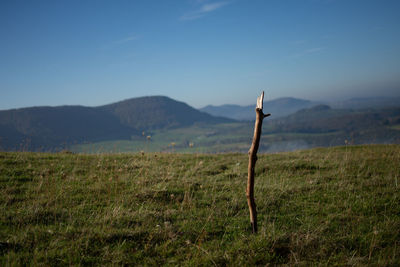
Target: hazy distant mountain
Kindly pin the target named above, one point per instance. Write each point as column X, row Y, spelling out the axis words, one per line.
column 55, row 128
column 278, row 108
column 367, row 102
column 230, row 111
column 282, row 107
column 50, row 128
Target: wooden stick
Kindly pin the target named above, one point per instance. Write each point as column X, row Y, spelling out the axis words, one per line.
column 252, row 161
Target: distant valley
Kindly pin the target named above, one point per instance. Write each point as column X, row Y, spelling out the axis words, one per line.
column 284, row 106
column 159, row 123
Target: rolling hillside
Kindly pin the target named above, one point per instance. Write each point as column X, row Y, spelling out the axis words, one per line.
column 53, row 128
column 319, row 126
column 157, row 112
column 322, row 126
column 323, row 119
column 50, row 127
column 175, row 126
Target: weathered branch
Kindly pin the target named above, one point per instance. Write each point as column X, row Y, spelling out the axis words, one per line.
column 252, row 162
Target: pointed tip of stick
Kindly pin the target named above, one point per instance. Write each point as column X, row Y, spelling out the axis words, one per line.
column 260, row 101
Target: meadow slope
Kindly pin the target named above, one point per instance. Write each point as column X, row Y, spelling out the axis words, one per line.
column 336, row 206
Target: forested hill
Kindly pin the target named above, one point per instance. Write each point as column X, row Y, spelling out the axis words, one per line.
column 324, row 119
column 50, row 128
column 155, row 112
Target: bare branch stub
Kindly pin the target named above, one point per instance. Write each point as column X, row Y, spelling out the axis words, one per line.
column 252, row 161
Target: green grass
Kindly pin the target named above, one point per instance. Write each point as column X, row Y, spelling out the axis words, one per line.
column 204, row 138
column 336, row 206
column 236, row 137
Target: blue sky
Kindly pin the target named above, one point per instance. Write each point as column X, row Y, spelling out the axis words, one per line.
column 197, row 51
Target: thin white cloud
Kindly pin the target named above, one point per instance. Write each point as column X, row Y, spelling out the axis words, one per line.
column 203, row 10
column 211, row 7
column 119, row 42
column 127, row 39
column 191, row 16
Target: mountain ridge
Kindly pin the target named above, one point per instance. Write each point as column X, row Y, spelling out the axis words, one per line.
column 53, row 128
column 152, row 113
column 279, row 107
column 47, row 127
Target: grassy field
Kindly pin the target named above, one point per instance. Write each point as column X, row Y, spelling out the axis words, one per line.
column 204, row 139
column 218, row 138
column 236, row 138
column 331, row 206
